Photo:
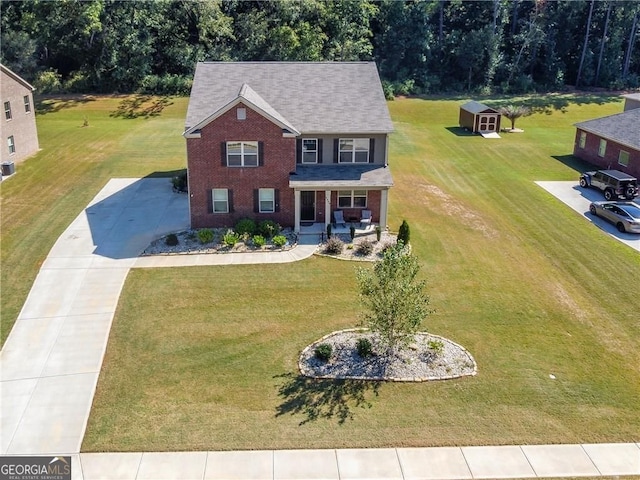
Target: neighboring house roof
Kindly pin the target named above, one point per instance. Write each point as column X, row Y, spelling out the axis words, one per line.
column 17, row 77
column 311, row 97
column 621, row 128
column 347, row 176
column 632, row 96
column 477, row 107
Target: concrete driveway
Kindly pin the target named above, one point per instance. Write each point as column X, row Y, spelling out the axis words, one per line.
column 579, row 199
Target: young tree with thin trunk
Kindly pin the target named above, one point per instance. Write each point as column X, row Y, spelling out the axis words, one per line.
column 513, row 112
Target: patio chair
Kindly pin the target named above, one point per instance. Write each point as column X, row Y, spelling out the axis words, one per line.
column 366, row 218
column 339, row 217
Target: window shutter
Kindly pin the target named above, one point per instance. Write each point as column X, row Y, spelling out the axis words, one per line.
column 276, row 200
column 372, row 144
column 260, row 154
column 336, row 145
column 298, row 150
column 319, row 150
column 210, row 202
column 223, row 154
column 256, row 200
column 230, row 200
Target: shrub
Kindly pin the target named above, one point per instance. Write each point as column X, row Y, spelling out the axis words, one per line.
column 364, row 347
column 334, row 246
column 436, row 346
column 180, row 182
column 404, row 233
column 378, row 232
column 49, row 81
column 365, row 248
column 279, row 241
column 258, row 241
column 268, row 228
column 205, row 235
column 387, row 246
column 246, row 225
column 230, row 238
column 171, row 240
column 323, row 352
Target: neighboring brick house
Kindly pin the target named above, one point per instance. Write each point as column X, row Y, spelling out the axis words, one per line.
column 612, row 142
column 19, row 132
column 287, row 141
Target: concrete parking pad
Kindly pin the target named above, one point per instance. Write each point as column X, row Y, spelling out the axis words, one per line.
column 615, row 458
column 170, row 466
column 245, row 465
column 497, row 462
column 371, row 464
column 445, row 463
column 560, row 460
column 110, row 466
column 307, row 464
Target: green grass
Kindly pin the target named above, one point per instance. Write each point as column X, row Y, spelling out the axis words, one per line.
column 191, row 365
column 75, row 162
column 205, row 357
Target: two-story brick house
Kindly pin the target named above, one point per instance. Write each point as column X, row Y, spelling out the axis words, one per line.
column 19, row 132
column 291, row 142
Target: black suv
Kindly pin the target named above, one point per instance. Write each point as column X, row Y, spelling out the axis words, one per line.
column 613, row 183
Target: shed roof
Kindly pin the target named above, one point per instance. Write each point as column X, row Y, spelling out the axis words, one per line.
column 477, row 107
column 621, row 128
column 313, row 97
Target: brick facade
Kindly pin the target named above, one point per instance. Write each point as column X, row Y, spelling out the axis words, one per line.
column 206, row 170
column 610, row 160
column 22, row 125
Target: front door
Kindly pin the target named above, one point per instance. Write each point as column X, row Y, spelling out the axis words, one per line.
column 308, row 206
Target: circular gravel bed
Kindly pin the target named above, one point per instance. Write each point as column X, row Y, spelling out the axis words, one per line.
column 418, row 363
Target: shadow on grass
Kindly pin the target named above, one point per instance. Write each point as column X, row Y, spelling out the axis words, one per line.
column 460, row 132
column 323, row 399
column 144, row 106
column 575, row 163
column 547, row 104
column 54, row 104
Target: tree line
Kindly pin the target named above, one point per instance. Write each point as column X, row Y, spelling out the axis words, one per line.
column 420, row 46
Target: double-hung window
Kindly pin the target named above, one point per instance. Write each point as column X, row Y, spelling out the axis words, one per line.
column 7, row 110
column 267, row 200
column 309, row 150
column 353, row 150
column 220, row 200
column 623, row 158
column 27, row 104
column 12, row 145
column 242, row 154
column 583, row 139
column 352, row 198
column 602, row 148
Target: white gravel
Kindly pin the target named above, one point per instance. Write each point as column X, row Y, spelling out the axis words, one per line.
column 418, row 363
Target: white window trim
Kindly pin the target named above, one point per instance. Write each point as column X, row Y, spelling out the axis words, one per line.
column 27, row 104
column 351, row 197
column 620, row 158
column 11, row 145
column 7, row 110
column 242, row 154
column 353, row 150
column 602, row 148
column 583, row 139
column 226, row 200
column 309, row 151
column 269, row 192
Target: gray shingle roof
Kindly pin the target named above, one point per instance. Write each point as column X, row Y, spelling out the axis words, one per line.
column 477, row 107
column 314, row 97
column 623, row 128
column 334, row 176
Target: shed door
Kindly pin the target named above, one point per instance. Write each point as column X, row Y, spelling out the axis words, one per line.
column 488, row 123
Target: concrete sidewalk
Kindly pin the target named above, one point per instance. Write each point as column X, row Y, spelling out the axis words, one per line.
column 50, row 363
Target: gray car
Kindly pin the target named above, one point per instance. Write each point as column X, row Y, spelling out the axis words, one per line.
column 624, row 215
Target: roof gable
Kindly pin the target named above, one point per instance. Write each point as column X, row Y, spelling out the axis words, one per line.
column 16, row 77
column 477, row 107
column 621, row 127
column 311, row 97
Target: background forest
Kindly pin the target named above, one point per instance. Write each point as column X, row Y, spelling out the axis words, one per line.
column 492, row 46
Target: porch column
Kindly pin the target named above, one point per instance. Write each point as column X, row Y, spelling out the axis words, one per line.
column 296, row 196
column 327, row 207
column 384, row 196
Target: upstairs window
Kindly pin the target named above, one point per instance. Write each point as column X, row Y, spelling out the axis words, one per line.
column 309, row 150
column 602, row 148
column 242, row 154
column 27, row 104
column 353, row 150
column 7, row 110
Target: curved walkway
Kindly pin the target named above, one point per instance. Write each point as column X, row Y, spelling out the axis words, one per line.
column 50, row 363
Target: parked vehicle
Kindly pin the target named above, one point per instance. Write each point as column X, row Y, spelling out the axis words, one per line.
column 624, row 215
column 613, row 183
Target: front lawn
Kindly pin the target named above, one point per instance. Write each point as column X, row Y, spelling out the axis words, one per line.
column 204, row 358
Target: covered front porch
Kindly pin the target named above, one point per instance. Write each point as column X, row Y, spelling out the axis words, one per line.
column 358, row 193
